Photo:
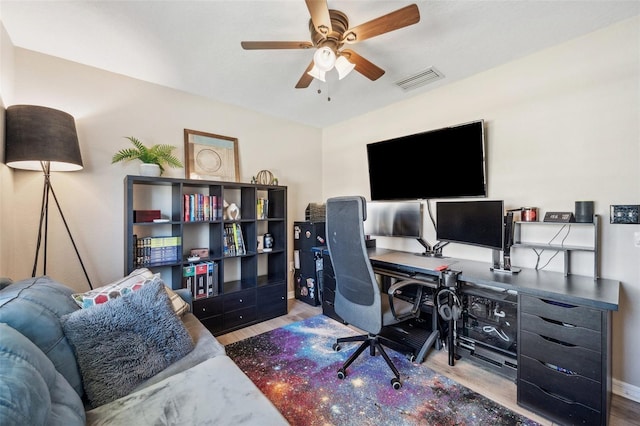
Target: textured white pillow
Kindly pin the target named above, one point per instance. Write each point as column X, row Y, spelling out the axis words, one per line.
column 132, row 282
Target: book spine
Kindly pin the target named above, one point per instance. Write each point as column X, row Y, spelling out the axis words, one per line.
column 187, row 214
column 201, row 280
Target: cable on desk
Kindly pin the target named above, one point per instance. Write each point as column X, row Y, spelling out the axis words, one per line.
column 492, row 329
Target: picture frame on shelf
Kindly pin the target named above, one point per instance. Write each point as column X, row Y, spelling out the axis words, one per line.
column 210, row 157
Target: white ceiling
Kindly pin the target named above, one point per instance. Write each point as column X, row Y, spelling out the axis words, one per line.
column 194, row 46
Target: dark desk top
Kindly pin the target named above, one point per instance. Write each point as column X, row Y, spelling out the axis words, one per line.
column 577, row 289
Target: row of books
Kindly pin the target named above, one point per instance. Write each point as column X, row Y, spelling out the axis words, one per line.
column 233, row 240
column 200, row 208
column 151, row 251
column 201, row 279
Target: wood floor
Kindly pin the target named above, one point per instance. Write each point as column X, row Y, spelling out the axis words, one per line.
column 502, row 390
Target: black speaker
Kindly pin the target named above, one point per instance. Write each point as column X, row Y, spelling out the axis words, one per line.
column 584, row 211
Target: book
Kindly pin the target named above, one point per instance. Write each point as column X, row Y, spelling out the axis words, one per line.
column 201, row 281
column 189, row 278
column 212, row 279
column 238, row 240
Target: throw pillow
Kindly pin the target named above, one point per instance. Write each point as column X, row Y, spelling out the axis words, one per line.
column 126, row 285
column 132, row 282
column 121, row 343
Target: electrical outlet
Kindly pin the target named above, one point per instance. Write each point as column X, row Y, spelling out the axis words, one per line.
column 625, row 213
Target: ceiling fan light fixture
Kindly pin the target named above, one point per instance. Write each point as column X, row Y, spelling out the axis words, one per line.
column 344, row 67
column 317, row 73
column 324, row 59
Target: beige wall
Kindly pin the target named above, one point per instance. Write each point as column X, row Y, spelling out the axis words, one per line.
column 108, row 107
column 562, row 125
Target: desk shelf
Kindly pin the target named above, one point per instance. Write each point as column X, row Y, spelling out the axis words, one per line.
column 593, row 248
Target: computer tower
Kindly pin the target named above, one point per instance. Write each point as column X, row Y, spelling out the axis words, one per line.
column 488, row 329
column 307, row 235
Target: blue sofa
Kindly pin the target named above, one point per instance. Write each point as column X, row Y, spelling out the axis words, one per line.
column 42, row 382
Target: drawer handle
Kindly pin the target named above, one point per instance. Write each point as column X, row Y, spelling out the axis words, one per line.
column 555, row 395
column 558, row 369
column 560, row 342
column 562, row 305
column 564, row 324
column 240, row 300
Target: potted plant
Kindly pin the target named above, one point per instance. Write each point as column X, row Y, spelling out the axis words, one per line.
column 153, row 158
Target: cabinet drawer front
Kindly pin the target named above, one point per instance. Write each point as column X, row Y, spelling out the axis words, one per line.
column 239, row 317
column 207, row 307
column 239, row 300
column 214, row 324
column 564, row 332
column 580, row 316
column 272, row 310
column 576, row 359
column 571, row 387
column 272, row 294
column 561, row 411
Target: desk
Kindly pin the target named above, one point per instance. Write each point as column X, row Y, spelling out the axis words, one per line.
column 563, row 332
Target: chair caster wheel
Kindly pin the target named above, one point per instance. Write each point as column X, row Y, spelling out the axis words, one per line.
column 396, row 383
column 336, row 347
column 411, row 358
column 341, row 374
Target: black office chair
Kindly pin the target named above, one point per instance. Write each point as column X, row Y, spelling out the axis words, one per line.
column 358, row 299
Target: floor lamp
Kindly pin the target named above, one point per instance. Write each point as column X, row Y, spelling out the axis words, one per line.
column 41, row 138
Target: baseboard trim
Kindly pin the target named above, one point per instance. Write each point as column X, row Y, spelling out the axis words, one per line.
column 625, row 390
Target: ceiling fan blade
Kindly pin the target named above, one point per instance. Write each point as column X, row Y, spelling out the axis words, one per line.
column 306, row 79
column 253, row 45
column 401, row 18
column 319, row 12
column 363, row 66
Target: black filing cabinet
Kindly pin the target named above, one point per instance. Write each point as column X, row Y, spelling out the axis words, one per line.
column 564, row 361
column 307, row 235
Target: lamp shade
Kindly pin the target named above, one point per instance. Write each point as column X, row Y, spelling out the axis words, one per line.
column 344, row 67
column 36, row 134
column 324, row 58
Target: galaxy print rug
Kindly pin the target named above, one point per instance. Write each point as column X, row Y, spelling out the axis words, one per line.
column 296, row 368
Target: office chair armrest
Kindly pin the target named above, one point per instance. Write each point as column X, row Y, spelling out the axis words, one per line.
column 417, row 302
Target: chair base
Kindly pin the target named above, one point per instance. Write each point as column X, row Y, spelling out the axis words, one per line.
column 373, row 342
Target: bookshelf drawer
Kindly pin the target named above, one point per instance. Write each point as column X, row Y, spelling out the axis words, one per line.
column 214, row 324
column 204, row 308
column 239, row 300
column 239, row 317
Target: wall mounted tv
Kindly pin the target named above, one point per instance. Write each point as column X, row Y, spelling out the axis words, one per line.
column 442, row 163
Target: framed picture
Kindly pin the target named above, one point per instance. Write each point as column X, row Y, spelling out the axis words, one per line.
column 210, row 157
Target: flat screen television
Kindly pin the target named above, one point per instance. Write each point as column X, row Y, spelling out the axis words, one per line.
column 394, row 219
column 478, row 223
column 442, row 163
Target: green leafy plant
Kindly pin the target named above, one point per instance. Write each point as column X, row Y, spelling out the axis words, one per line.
column 160, row 154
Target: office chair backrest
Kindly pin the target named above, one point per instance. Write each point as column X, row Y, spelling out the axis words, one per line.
column 357, row 298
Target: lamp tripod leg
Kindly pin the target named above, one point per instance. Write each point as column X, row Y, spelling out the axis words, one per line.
column 44, row 218
column 68, row 232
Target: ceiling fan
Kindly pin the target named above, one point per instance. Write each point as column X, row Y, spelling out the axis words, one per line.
column 330, row 32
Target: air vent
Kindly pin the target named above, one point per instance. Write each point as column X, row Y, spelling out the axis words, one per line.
column 420, row 79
